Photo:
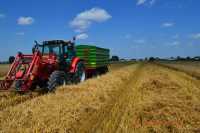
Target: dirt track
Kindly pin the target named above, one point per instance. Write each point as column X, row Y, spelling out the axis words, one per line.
column 136, row 98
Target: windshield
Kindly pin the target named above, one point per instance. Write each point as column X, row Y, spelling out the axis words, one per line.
column 51, row 49
column 40, row 48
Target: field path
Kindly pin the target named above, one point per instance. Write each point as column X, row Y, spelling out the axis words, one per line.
column 109, row 118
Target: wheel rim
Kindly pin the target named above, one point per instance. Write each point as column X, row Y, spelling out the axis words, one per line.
column 81, row 73
column 82, row 77
column 64, row 83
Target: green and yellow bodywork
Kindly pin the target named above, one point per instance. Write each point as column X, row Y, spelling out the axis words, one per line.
column 94, row 57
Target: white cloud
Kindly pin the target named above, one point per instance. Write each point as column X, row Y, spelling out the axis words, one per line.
column 2, row 15
column 168, row 24
column 141, row 2
column 140, row 41
column 82, row 36
column 84, row 19
column 25, row 20
column 20, row 33
column 195, row 36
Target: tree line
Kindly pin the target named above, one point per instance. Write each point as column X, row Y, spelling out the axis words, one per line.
column 116, row 58
column 178, row 58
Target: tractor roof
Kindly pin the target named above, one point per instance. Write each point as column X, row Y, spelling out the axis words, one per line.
column 56, row 42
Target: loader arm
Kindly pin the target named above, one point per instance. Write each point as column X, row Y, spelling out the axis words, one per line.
column 10, row 77
column 32, row 63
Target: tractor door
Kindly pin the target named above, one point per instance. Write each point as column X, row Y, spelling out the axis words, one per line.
column 69, row 53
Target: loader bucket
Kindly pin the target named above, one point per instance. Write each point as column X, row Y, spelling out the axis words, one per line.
column 5, row 84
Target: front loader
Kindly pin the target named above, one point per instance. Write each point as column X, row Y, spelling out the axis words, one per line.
column 53, row 63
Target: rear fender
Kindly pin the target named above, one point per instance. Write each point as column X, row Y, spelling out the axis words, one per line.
column 74, row 63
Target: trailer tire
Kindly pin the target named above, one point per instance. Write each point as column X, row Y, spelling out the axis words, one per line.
column 106, row 70
column 57, row 78
column 100, row 71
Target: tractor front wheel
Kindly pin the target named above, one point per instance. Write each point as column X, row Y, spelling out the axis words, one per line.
column 18, row 85
column 57, row 78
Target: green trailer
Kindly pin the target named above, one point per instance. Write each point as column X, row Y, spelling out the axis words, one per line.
column 95, row 58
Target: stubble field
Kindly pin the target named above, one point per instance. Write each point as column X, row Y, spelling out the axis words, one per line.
column 133, row 97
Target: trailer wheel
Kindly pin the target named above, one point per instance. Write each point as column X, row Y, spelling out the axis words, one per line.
column 101, row 71
column 57, row 78
column 105, row 70
column 80, row 74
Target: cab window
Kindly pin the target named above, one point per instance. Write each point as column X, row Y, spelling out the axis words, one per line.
column 51, row 49
column 65, row 49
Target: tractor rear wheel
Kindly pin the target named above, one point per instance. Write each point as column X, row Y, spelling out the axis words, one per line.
column 57, row 78
column 80, row 74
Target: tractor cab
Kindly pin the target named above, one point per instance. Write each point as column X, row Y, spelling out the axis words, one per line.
column 57, row 52
column 58, row 48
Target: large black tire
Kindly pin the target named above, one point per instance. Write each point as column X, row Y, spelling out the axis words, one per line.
column 18, row 84
column 105, row 70
column 80, row 73
column 57, row 78
column 33, row 87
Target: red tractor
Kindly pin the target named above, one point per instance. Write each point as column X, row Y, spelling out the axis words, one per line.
column 52, row 64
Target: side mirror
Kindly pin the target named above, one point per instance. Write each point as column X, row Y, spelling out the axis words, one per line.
column 19, row 54
column 11, row 59
column 36, row 42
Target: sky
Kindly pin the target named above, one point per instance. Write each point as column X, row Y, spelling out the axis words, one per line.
column 129, row 28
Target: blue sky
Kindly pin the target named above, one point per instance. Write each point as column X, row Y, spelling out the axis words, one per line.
column 130, row 28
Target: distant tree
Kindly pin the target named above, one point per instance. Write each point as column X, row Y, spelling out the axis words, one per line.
column 151, row 59
column 157, row 58
column 11, row 59
column 188, row 58
column 178, row 58
column 114, row 58
column 197, row 58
